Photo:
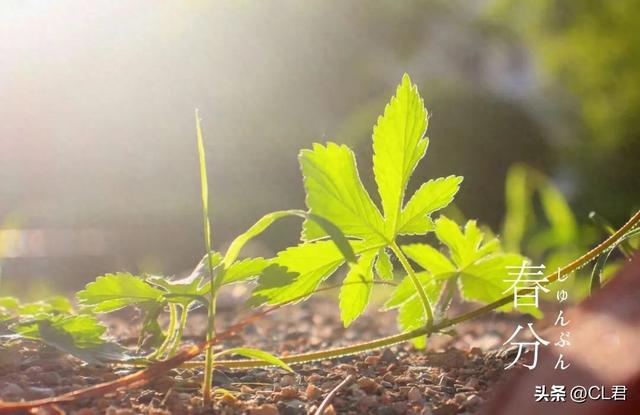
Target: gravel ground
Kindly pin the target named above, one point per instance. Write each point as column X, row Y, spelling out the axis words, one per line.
column 454, row 376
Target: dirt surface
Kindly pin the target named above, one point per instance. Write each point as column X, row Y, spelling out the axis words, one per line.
column 454, row 376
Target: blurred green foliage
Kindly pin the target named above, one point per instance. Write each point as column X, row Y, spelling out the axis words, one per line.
column 590, row 52
column 539, row 221
column 108, row 149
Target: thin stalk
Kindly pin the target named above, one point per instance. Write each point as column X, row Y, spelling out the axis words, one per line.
column 181, row 325
column 439, row 326
column 206, row 227
column 428, row 312
column 170, row 331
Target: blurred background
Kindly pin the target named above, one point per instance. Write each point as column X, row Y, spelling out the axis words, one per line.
column 98, row 162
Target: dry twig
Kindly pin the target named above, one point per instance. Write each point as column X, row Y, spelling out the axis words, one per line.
column 325, row 403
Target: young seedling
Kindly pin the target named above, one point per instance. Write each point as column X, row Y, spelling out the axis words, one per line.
column 335, row 192
column 153, row 294
column 338, row 206
column 55, row 323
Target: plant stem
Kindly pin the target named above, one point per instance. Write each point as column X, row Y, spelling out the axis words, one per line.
column 211, row 329
column 178, row 337
column 206, row 228
column 170, row 330
column 428, row 312
column 439, row 326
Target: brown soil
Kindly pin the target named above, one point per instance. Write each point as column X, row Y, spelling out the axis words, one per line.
column 454, row 376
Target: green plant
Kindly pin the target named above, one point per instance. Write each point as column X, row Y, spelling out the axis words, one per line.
column 540, row 223
column 539, row 220
column 335, row 192
column 342, row 226
column 55, row 323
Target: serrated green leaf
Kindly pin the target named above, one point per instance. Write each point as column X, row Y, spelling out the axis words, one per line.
column 384, row 267
column 311, row 263
column 56, row 304
column 398, row 146
column 183, row 291
column 272, row 277
column 335, row 192
column 79, row 335
column 429, row 258
column 356, row 289
column 60, row 304
column 328, row 228
column 84, row 329
column 411, row 317
column 256, row 354
column 482, row 266
column 32, row 309
column 244, row 269
column 112, row 292
column 450, row 234
column 431, row 196
column 464, row 247
column 406, row 290
column 484, row 281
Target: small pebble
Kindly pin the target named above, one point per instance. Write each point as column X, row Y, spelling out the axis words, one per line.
column 414, row 394
column 294, row 407
column 289, row 392
column 446, row 409
column 314, row 378
column 367, row 384
column 460, row 398
column 313, row 392
column 446, row 381
column 403, row 380
column 372, row 360
column 388, row 356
